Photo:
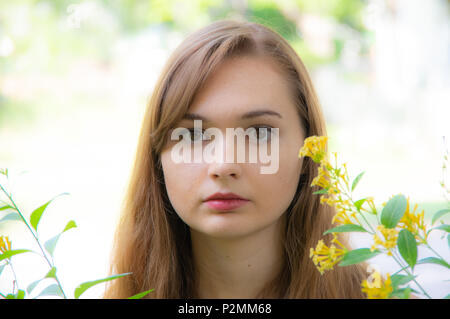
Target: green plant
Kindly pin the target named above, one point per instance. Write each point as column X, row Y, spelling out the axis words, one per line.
column 46, row 250
column 399, row 230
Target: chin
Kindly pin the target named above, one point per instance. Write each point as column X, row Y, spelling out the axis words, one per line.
column 223, row 231
column 229, row 230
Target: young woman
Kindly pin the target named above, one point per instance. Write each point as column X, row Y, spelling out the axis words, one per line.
column 178, row 233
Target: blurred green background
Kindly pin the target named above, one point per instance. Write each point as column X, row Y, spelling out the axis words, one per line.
column 75, row 77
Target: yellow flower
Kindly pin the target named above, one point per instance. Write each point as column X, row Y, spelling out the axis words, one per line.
column 322, row 179
column 388, row 239
column 343, row 209
column 314, row 147
column 414, row 223
column 344, row 175
column 325, row 163
column 325, row 257
column 5, row 244
column 342, row 218
column 371, row 204
column 330, row 200
column 377, row 289
column 375, row 281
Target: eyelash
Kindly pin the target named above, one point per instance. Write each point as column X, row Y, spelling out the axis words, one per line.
column 257, row 127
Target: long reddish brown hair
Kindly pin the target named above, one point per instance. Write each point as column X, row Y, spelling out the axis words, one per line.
column 151, row 240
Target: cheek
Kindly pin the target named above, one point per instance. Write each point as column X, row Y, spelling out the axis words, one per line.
column 281, row 187
column 290, row 163
column 181, row 183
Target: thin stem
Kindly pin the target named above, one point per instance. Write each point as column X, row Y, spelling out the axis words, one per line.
column 429, row 247
column 19, row 212
column 400, row 261
column 15, row 282
column 361, row 214
column 401, row 269
column 410, row 274
column 353, row 203
column 444, row 167
column 35, row 237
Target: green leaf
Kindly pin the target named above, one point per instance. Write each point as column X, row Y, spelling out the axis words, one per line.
column 444, row 227
column 50, row 244
column 399, row 280
column 447, row 297
column 345, row 228
column 9, row 253
column 359, row 203
column 10, row 216
column 433, row 260
column 356, row 180
column 403, row 293
column 52, row 290
column 70, row 224
column 86, row 285
column 338, row 171
column 407, row 247
column 141, row 294
column 51, row 274
column 322, row 191
column 6, row 207
column 19, row 295
column 393, row 211
column 33, row 285
column 358, row 255
column 439, row 214
column 36, row 215
column 407, row 292
column 1, row 268
column 448, row 240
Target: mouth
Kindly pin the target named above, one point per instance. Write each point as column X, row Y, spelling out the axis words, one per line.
column 226, row 204
column 225, row 201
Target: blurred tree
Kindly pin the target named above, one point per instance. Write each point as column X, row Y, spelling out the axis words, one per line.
column 36, row 36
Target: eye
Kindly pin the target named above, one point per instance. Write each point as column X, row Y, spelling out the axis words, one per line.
column 195, row 135
column 261, row 133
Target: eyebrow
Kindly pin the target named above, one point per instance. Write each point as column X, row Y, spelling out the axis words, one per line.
column 248, row 115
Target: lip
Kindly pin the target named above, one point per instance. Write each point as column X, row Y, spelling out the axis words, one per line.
column 217, row 196
column 226, row 204
column 225, row 201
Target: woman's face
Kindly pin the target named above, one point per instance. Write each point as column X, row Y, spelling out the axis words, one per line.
column 238, row 86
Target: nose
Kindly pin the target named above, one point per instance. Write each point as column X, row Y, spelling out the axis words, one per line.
column 224, row 168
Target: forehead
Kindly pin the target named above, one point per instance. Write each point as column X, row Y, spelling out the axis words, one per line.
column 242, row 85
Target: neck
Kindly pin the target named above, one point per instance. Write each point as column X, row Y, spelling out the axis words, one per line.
column 237, row 267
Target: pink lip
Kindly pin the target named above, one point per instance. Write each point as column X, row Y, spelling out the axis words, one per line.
column 226, row 204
